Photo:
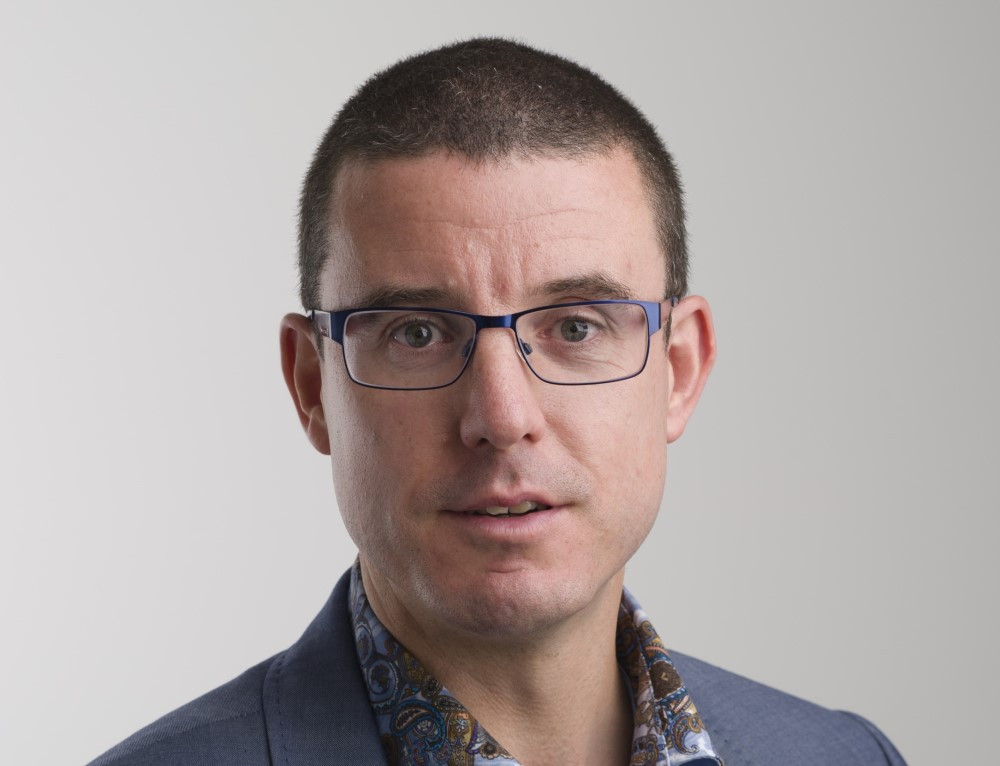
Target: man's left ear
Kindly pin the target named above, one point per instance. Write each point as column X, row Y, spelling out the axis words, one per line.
column 691, row 356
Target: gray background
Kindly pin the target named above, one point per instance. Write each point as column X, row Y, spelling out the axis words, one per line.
column 830, row 522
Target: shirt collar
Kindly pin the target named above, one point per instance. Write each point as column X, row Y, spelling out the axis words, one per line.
column 419, row 721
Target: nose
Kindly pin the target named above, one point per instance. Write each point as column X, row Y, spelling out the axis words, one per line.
column 501, row 405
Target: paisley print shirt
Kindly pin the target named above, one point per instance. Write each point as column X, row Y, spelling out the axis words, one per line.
column 421, row 724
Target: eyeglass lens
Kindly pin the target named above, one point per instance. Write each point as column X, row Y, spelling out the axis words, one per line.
column 593, row 343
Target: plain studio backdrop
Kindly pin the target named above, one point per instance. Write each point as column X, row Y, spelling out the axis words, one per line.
column 829, row 525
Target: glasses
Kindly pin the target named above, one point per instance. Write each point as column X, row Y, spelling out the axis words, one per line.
column 568, row 344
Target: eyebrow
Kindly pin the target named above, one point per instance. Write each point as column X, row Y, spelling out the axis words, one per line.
column 595, row 285
column 591, row 286
column 397, row 295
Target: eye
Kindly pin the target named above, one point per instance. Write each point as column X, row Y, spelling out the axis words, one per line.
column 422, row 332
column 417, row 334
column 574, row 330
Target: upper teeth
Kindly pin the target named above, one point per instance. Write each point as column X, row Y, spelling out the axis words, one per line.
column 514, row 510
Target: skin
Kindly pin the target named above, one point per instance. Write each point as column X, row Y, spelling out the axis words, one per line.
column 515, row 616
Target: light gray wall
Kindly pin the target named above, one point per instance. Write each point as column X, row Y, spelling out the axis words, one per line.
column 830, row 520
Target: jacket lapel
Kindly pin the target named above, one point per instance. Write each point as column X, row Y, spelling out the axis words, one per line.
column 315, row 703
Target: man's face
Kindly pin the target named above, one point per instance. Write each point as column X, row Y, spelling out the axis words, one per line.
column 410, row 467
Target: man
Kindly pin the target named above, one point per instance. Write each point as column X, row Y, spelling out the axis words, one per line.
column 498, row 349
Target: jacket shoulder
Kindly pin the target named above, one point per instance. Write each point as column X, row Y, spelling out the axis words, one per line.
column 753, row 723
column 224, row 727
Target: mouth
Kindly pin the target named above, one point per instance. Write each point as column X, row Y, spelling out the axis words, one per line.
column 521, row 509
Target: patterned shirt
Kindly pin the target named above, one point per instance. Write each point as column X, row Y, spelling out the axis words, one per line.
column 422, row 724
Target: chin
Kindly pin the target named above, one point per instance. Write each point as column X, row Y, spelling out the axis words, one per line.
column 514, row 605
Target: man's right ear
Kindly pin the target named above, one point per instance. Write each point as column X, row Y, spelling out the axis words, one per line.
column 300, row 364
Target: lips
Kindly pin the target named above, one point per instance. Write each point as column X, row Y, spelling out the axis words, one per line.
column 520, row 509
column 525, row 518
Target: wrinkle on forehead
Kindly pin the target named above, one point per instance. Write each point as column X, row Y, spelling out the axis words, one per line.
column 512, row 221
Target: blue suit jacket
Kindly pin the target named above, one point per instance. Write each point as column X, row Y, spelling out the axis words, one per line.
column 308, row 707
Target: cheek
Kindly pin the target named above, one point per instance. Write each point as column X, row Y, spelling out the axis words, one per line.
column 381, row 452
column 355, row 444
column 618, row 433
column 636, row 450
column 629, row 424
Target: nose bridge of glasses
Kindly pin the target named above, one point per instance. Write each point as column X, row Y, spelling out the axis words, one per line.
column 505, row 322
column 494, row 322
column 502, row 322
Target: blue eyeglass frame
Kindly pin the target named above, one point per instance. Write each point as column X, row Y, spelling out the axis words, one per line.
column 330, row 324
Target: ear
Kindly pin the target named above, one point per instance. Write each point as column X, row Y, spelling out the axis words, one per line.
column 691, row 356
column 301, row 366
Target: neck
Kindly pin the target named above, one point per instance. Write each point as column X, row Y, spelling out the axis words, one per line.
column 555, row 696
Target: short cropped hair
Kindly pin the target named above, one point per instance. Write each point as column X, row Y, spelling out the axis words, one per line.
column 487, row 99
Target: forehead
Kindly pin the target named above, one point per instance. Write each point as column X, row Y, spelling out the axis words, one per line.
column 491, row 236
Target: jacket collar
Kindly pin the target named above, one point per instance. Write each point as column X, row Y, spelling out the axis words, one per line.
column 315, row 704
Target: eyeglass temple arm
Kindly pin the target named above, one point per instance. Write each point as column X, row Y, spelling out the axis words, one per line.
column 655, row 325
column 327, row 325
